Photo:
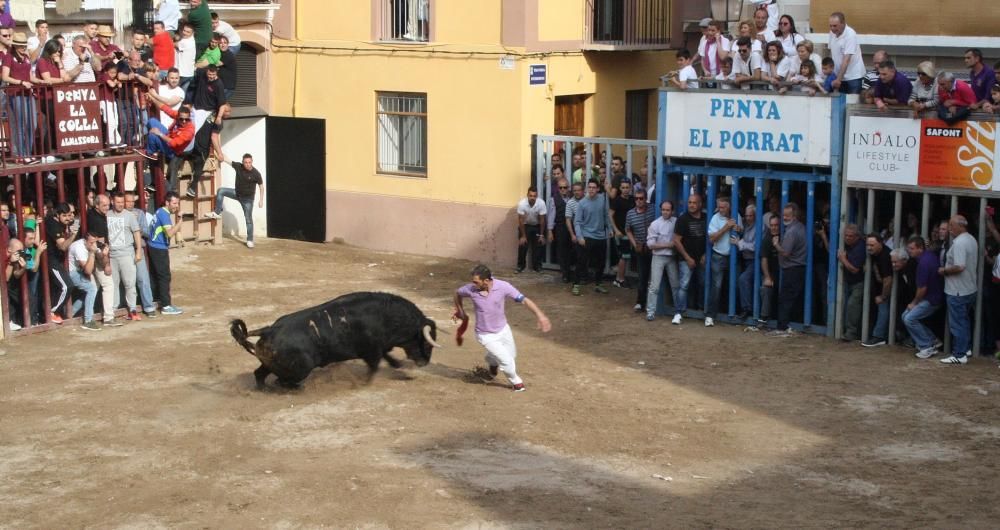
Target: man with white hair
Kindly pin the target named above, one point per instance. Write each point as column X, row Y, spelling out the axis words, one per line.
column 492, row 331
column 79, row 54
column 959, row 273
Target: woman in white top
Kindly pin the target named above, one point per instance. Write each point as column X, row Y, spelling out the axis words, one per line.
column 787, row 35
column 777, row 67
column 746, row 29
column 804, row 52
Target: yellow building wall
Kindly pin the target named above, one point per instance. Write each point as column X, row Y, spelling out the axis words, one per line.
column 560, row 20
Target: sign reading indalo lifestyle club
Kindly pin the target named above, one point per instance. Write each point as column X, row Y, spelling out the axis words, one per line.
column 923, row 153
column 78, row 118
column 728, row 125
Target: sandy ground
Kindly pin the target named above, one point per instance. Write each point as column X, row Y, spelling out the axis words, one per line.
column 625, row 424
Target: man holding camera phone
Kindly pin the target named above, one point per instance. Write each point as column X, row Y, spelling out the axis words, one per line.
column 83, row 260
column 80, row 55
column 17, row 264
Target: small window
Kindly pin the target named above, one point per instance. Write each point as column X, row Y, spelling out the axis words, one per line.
column 401, row 120
column 406, row 20
column 637, row 114
column 245, row 94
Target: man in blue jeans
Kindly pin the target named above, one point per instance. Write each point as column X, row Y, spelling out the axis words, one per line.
column 247, row 177
column 959, row 273
column 82, row 254
column 689, row 241
column 927, row 299
column 881, row 289
column 722, row 232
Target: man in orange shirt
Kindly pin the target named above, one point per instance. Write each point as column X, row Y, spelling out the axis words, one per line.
column 163, row 49
column 170, row 142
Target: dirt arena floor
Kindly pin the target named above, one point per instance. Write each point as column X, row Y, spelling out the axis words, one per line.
column 625, row 424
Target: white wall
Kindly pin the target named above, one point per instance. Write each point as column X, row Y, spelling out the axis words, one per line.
column 244, row 135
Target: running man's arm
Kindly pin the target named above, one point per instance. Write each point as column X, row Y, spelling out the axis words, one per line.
column 543, row 321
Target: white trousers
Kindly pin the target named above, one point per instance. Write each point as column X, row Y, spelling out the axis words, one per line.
column 501, row 351
column 107, row 285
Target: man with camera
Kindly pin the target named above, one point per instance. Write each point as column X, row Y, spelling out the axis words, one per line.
column 17, row 264
column 83, row 262
column 80, row 55
column 97, row 224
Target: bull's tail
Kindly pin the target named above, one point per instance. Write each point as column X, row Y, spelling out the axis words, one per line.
column 238, row 329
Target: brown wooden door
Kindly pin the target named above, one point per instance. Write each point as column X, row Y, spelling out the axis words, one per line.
column 569, row 115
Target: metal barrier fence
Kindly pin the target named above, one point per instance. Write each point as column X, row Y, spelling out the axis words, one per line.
column 896, row 195
column 45, row 122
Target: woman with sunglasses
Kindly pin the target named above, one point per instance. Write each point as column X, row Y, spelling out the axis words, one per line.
column 924, row 94
column 787, row 36
column 17, row 73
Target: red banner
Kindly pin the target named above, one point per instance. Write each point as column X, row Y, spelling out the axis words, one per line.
column 78, row 118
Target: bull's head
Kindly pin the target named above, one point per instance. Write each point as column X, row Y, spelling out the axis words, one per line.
column 421, row 356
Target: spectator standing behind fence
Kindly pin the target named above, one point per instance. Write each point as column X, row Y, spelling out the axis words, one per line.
column 102, row 46
column 81, row 60
column 572, row 205
column 163, row 49
column 846, row 53
column 689, row 241
column 764, row 28
column 792, row 260
column 140, row 43
column 660, row 240
column 924, row 92
column 618, row 207
column 959, row 273
column 559, row 233
column 852, row 257
column 166, row 223
column 592, row 231
column 871, row 76
column 927, row 298
column 746, row 245
column 248, row 182
column 685, row 78
column 787, row 35
column 17, row 72
column 892, row 87
column 83, row 259
column 712, row 48
column 41, row 36
column 746, row 64
column 530, row 220
column 59, row 237
column 97, row 224
column 723, row 229
column 881, row 288
column 777, row 67
column 981, row 77
column 637, row 223
column 768, row 270
column 14, row 269
column 955, row 98
column 109, row 105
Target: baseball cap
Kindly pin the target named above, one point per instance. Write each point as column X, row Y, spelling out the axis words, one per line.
column 704, row 23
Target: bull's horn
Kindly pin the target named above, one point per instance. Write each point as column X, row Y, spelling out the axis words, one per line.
column 427, row 336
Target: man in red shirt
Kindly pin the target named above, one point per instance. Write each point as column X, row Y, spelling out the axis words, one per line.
column 954, row 98
column 103, row 48
column 170, row 142
column 163, row 49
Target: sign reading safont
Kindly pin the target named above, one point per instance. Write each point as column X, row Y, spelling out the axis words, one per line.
column 752, row 127
column 78, row 118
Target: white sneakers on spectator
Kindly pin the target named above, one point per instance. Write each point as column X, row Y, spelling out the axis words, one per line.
column 709, row 322
column 956, row 359
column 14, row 326
column 637, row 308
column 927, row 353
column 212, row 215
column 249, row 244
column 677, row 319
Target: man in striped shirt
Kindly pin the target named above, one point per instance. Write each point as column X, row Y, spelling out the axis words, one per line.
column 637, row 222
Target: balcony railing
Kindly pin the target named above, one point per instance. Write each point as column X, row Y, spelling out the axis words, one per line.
column 627, row 24
column 44, row 122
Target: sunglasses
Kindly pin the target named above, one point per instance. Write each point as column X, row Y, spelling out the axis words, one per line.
column 564, row 187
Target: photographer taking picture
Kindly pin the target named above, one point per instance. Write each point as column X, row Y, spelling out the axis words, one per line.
column 17, row 264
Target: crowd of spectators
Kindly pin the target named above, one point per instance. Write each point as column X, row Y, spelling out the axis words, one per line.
column 769, row 53
column 165, row 96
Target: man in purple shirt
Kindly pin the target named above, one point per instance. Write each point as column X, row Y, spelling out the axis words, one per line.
column 6, row 20
column 492, row 331
column 981, row 77
column 927, row 300
column 892, row 87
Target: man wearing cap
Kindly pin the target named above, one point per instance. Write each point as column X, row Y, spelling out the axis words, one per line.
column 923, row 95
column 103, row 48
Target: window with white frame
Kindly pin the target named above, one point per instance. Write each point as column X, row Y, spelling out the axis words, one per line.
column 401, row 120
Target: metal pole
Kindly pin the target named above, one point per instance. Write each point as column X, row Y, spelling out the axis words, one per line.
column 925, row 218
column 810, row 243
column 977, row 328
column 897, row 223
column 866, row 298
column 761, row 234
column 734, row 201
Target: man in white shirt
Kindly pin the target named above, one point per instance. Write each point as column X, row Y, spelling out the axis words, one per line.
column 530, row 220
column 746, row 64
column 36, row 41
column 80, row 54
column 959, row 271
column 170, row 94
column 226, row 30
column 846, row 53
column 660, row 240
column 82, row 258
column 185, row 58
column 686, row 77
column 712, row 48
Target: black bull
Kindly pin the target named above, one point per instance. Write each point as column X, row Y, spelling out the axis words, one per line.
column 363, row 326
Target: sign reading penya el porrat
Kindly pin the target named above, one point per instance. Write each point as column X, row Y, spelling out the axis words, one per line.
column 78, row 118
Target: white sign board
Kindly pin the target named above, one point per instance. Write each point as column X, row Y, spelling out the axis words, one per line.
column 782, row 129
column 883, row 150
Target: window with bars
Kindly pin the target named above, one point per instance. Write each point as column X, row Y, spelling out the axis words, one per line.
column 401, row 120
column 405, row 20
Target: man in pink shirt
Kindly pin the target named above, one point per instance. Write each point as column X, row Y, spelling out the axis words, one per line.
column 492, row 331
column 954, row 98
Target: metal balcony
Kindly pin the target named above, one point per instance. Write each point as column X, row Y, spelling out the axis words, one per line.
column 627, row 25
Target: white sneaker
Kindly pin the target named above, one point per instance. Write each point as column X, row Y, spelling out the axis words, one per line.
column 709, row 322
column 955, row 360
column 14, row 326
column 676, row 320
column 927, row 353
column 212, row 215
column 249, row 244
column 637, row 308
